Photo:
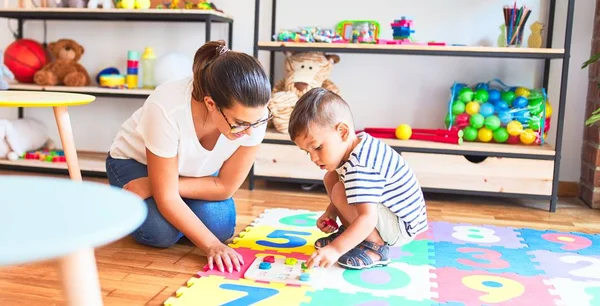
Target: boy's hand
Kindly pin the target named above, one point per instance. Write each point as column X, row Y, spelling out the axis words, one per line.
column 323, row 258
column 323, row 223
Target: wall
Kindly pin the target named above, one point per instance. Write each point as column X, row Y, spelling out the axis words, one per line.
column 383, row 90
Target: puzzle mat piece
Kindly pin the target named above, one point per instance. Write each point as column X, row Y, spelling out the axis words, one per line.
column 396, row 279
column 215, row 290
column 492, row 259
column 554, row 241
column 577, row 293
column 331, row 297
column 280, row 272
column 279, row 217
column 481, row 287
column 483, row 235
column 416, row 253
column 263, row 237
column 248, row 256
column 569, row 265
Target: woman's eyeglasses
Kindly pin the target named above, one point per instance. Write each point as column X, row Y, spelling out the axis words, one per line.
column 241, row 128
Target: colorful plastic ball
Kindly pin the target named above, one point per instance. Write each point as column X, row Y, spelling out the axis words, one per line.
column 522, row 91
column 508, row 96
column 476, row 121
column 465, row 94
column 458, row 107
column 500, row 135
column 484, row 135
column 494, row 95
column 513, row 139
column 469, row 133
column 481, row 95
column 547, row 125
column 523, row 116
column 514, row 128
column 462, row 119
column 548, row 110
column 505, row 117
column 486, row 109
column 527, row 137
column 448, row 118
column 492, row 123
column 534, row 124
column 536, row 106
column 520, row 102
column 472, row 108
column 501, row 105
column 535, row 94
column 403, row 132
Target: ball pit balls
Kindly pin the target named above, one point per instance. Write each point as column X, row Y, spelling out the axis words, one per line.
column 481, row 95
column 534, row 124
column 486, row 109
column 546, row 125
column 508, row 96
column 535, row 94
column 458, row 107
column 520, row 102
column 501, row 105
column 501, row 135
column 470, row 133
column 465, row 94
column 548, row 110
column 484, row 135
column 514, row 128
column 494, row 95
column 492, row 123
column 528, row 136
column 403, row 132
column 505, row 117
column 513, row 139
column 476, row 121
column 536, row 106
column 472, row 108
column 522, row 91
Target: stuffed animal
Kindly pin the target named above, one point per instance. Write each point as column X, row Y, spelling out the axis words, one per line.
column 64, row 69
column 106, row 4
column 4, row 73
column 304, row 71
column 21, row 135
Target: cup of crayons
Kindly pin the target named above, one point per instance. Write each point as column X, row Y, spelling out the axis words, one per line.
column 514, row 21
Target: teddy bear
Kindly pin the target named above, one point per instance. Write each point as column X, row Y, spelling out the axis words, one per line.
column 21, row 135
column 304, row 71
column 64, row 69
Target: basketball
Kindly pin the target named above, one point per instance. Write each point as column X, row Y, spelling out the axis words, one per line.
column 24, row 57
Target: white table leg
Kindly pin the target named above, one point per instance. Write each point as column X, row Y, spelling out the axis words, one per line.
column 80, row 278
column 63, row 122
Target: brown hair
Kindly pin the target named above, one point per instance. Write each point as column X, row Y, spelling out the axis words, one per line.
column 321, row 107
column 228, row 76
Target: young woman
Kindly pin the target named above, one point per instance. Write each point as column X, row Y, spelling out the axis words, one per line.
column 190, row 147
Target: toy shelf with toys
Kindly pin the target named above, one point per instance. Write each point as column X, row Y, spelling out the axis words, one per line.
column 493, row 139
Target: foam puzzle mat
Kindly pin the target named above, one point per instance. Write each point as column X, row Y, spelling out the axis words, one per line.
column 451, row 264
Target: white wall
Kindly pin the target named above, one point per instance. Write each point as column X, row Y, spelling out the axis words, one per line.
column 383, row 90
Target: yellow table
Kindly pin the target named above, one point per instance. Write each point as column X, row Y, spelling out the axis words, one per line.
column 59, row 101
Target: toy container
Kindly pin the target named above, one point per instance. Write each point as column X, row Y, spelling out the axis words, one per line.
column 148, row 62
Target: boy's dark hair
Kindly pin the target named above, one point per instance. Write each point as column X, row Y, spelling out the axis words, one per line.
column 229, row 76
column 321, row 107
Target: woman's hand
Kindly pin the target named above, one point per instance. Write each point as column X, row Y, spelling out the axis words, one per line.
column 224, row 257
column 140, row 186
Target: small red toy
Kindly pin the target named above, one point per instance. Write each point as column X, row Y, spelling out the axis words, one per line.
column 270, row 259
column 331, row 223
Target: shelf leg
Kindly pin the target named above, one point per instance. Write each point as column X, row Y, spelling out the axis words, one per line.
column 63, row 122
column 230, row 36
column 208, row 28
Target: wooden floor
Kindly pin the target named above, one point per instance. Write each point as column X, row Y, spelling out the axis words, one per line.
column 131, row 274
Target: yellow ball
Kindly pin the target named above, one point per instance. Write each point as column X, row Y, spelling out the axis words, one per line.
column 528, row 136
column 485, row 134
column 548, row 110
column 472, row 108
column 522, row 91
column 403, row 131
column 514, row 128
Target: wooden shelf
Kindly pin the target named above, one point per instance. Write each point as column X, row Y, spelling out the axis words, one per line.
column 89, row 162
column 545, row 151
column 470, row 51
column 92, row 90
column 174, row 15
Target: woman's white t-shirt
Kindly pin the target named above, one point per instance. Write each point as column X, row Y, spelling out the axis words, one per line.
column 164, row 125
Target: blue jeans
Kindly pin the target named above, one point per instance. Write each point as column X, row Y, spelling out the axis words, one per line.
column 219, row 217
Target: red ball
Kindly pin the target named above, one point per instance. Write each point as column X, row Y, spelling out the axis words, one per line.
column 547, row 125
column 24, row 57
column 513, row 140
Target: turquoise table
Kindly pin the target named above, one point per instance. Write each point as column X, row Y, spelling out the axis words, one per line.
column 54, row 218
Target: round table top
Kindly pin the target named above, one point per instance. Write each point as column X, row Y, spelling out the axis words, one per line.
column 43, row 98
column 45, row 218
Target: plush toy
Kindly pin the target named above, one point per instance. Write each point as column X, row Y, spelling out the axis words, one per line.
column 64, row 69
column 106, row 4
column 304, row 71
column 4, row 73
column 21, row 135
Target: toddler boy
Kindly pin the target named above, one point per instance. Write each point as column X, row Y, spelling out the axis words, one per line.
column 372, row 190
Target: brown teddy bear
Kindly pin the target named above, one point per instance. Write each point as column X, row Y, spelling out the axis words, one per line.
column 64, row 69
column 304, row 71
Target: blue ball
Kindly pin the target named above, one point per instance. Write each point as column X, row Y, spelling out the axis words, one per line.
column 523, row 116
column 481, row 86
column 501, row 105
column 494, row 95
column 520, row 102
column 486, row 109
column 505, row 117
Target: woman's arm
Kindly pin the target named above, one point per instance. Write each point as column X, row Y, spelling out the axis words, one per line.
column 221, row 187
column 164, row 180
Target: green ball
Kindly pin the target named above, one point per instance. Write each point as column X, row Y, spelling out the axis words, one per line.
column 458, row 107
column 469, row 133
column 447, row 120
column 536, row 106
column 465, row 94
column 534, row 124
column 500, row 135
column 535, row 94
column 481, row 95
column 476, row 121
column 508, row 96
column 492, row 123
